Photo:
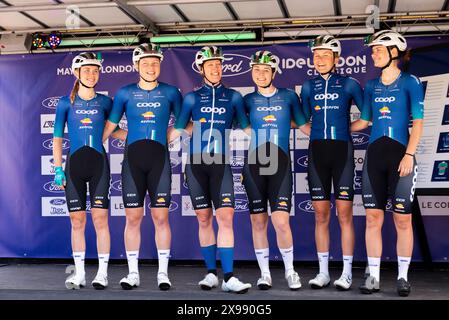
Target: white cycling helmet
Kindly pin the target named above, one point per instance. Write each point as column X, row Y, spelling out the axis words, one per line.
column 325, row 42
column 387, row 38
column 147, row 50
column 208, row 53
column 266, row 58
column 85, row 59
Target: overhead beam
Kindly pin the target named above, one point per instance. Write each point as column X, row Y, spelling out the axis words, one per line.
column 180, row 13
column 337, row 7
column 137, row 15
column 283, row 8
column 231, row 11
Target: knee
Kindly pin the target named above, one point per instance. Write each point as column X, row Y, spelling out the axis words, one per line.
column 345, row 219
column 259, row 225
column 282, row 226
column 78, row 223
column 101, row 223
column 322, row 217
column 204, row 221
column 160, row 221
column 403, row 224
column 225, row 221
column 133, row 221
column 373, row 221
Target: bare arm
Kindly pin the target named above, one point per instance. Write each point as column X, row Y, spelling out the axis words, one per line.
column 108, row 129
column 359, row 125
column 120, row 134
column 406, row 164
column 57, row 151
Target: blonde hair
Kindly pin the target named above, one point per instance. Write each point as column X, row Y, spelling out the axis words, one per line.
column 75, row 89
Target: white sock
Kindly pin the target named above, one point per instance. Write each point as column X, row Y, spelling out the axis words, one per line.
column 79, row 262
column 287, row 256
column 103, row 260
column 323, row 260
column 374, row 267
column 133, row 259
column 347, row 265
column 263, row 259
column 163, row 256
column 403, row 264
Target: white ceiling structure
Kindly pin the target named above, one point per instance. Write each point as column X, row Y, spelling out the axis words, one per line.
column 271, row 20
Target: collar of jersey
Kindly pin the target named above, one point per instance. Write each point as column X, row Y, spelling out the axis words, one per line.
column 138, row 87
column 269, row 95
column 328, row 78
column 389, row 85
column 83, row 100
column 209, row 87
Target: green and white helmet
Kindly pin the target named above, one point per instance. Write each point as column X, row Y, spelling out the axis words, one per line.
column 326, row 42
column 208, row 53
column 147, row 50
column 86, row 59
column 265, row 57
column 387, row 38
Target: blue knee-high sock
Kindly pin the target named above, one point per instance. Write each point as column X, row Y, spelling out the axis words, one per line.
column 210, row 257
column 227, row 261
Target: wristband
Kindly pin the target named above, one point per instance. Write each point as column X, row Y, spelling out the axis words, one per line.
column 411, row 155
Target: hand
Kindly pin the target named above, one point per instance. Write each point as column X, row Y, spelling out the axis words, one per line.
column 60, row 180
column 405, row 166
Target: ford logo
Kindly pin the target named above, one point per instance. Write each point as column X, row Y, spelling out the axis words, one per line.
column 173, row 206
column 307, row 206
column 303, row 161
column 236, row 178
column 237, row 161
column 233, row 65
column 48, row 144
column 57, row 202
column 117, row 185
column 358, row 182
column 241, row 205
column 118, row 144
column 51, row 103
column 174, row 162
column 360, row 138
column 50, row 186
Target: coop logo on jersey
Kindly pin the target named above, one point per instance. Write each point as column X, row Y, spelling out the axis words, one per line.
column 269, row 109
column 385, row 99
column 327, row 96
column 51, row 187
column 233, row 65
column 213, row 110
column 303, row 161
column 48, row 144
column 148, row 105
column 384, row 111
column 270, row 118
column 360, row 138
column 148, row 115
column 241, row 205
column 51, row 102
column 118, row 144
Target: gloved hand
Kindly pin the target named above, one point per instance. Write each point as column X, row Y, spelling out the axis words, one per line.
column 59, row 177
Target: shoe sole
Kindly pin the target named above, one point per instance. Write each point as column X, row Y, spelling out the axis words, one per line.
column 127, row 286
column 341, row 288
column 72, row 286
column 403, row 293
column 98, row 286
column 295, row 288
column 164, row 286
column 205, row 288
column 368, row 291
column 264, row 286
column 315, row 286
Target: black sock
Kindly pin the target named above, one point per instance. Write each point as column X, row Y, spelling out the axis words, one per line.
column 228, row 276
column 214, row 271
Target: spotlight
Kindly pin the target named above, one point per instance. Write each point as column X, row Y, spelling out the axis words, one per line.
column 54, row 40
column 38, row 41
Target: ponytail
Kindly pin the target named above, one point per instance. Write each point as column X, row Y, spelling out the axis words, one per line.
column 75, row 89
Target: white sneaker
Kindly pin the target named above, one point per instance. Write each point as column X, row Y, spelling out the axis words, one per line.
column 235, row 285
column 74, row 282
column 163, row 282
column 264, row 282
column 100, row 282
column 320, row 281
column 294, row 281
column 132, row 280
column 344, row 283
column 210, row 281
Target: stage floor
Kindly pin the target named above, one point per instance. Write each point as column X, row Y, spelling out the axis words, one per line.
column 46, row 282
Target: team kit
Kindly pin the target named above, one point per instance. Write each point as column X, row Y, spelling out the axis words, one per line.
column 392, row 104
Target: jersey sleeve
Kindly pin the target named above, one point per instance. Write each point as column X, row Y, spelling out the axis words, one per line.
column 239, row 107
column 62, row 111
column 416, row 94
column 107, row 107
column 296, row 108
column 305, row 101
column 355, row 91
column 176, row 102
column 186, row 111
column 367, row 112
column 118, row 106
